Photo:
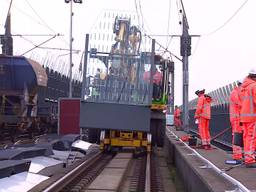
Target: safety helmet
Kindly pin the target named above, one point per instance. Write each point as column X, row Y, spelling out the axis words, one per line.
column 240, row 81
column 252, row 72
column 201, row 90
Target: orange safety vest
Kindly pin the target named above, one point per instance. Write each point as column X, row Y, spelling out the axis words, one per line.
column 248, row 101
column 203, row 108
column 234, row 104
column 177, row 112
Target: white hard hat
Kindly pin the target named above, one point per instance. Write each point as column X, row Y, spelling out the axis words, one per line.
column 252, row 72
column 240, row 81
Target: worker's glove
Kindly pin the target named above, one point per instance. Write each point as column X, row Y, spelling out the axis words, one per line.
column 196, row 121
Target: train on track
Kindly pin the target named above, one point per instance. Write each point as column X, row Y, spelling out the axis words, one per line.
column 29, row 96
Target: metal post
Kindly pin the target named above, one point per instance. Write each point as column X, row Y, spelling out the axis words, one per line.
column 85, row 65
column 172, row 89
column 185, row 52
column 70, row 54
column 152, row 70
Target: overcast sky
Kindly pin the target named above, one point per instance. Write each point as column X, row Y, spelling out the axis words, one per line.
column 218, row 57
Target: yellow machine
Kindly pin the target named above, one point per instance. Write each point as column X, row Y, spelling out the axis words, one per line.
column 129, row 83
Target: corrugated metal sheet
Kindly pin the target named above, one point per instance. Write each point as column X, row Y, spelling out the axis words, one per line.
column 40, row 73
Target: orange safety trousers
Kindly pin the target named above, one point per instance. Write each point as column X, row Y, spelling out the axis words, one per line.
column 177, row 121
column 249, row 137
column 237, row 150
column 204, row 132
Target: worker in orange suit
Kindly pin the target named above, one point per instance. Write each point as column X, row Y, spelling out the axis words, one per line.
column 177, row 116
column 248, row 118
column 234, row 116
column 203, row 116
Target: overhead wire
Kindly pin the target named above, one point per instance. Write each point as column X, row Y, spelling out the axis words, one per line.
column 27, row 15
column 164, row 48
column 142, row 17
column 43, row 21
column 36, row 46
column 168, row 41
column 168, row 22
column 228, row 20
column 137, row 12
column 45, row 24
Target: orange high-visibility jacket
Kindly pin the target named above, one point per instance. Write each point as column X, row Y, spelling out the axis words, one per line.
column 234, row 104
column 248, row 101
column 203, row 108
column 177, row 112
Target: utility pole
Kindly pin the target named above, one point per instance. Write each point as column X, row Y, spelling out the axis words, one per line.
column 172, row 87
column 70, row 43
column 6, row 39
column 185, row 51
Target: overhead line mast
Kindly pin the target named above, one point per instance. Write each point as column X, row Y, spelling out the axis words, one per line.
column 185, row 52
column 6, row 39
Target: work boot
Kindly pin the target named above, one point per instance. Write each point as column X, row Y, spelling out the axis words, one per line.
column 250, row 165
column 207, row 147
column 200, row 146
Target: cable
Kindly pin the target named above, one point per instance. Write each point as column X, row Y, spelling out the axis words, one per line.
column 45, row 24
column 36, row 46
column 168, row 24
column 228, row 20
column 29, row 16
column 142, row 18
column 137, row 12
column 197, row 44
column 165, row 48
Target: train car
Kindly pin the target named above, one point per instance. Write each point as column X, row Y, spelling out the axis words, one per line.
column 20, row 81
column 29, row 96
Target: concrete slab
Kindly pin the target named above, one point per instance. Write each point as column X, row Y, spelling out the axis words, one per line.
column 108, row 180
column 195, row 178
column 118, row 163
column 218, row 156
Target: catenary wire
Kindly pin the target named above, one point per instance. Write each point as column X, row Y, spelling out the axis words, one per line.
column 228, row 20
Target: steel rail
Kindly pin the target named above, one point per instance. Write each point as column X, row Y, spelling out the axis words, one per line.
column 68, row 178
column 237, row 183
column 148, row 176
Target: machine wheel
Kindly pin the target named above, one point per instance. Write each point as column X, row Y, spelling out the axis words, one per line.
column 157, row 129
column 94, row 136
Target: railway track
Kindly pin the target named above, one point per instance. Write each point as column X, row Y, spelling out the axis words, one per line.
column 120, row 172
column 82, row 175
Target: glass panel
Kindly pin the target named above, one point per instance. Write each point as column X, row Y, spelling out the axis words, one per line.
column 118, row 78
